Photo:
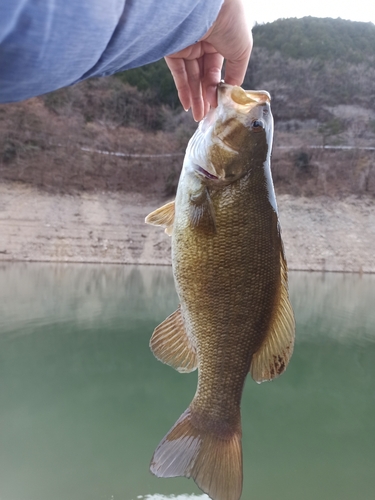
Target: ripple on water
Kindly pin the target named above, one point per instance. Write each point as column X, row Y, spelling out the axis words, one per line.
column 157, row 496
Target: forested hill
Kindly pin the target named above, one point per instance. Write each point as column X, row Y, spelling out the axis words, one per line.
column 319, row 72
column 324, row 38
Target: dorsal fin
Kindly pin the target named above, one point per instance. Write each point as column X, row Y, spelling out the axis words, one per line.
column 163, row 216
column 171, row 344
column 273, row 356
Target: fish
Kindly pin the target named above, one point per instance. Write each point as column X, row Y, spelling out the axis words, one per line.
column 231, row 277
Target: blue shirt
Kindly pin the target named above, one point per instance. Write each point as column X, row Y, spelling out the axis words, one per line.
column 48, row 44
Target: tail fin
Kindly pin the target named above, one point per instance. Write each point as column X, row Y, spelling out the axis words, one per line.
column 214, row 462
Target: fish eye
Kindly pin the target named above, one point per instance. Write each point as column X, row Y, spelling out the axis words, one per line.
column 257, row 125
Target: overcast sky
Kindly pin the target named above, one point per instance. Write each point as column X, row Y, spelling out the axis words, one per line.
column 270, row 10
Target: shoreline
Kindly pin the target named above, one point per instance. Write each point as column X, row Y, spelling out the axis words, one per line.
column 319, row 234
column 110, row 263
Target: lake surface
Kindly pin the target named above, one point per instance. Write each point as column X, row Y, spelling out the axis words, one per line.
column 83, row 402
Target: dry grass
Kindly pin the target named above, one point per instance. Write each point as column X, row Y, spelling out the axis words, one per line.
column 317, row 172
column 41, row 145
column 41, row 141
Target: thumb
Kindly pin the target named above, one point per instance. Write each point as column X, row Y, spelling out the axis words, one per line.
column 231, row 36
column 235, row 69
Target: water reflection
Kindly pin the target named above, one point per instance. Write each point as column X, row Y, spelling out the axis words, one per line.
column 346, row 300
column 33, row 294
column 83, row 403
column 178, row 497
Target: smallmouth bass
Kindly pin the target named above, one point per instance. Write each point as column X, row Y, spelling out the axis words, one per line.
column 231, row 278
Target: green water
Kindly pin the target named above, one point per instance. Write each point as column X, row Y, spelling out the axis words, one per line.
column 83, row 403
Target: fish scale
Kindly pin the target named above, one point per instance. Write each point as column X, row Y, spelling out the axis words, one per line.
column 231, row 277
column 227, row 323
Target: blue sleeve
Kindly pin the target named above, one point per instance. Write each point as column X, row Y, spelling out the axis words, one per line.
column 48, row 44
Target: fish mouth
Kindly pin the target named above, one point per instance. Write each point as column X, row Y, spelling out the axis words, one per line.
column 244, row 100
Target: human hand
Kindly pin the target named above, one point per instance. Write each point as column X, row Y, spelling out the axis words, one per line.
column 196, row 69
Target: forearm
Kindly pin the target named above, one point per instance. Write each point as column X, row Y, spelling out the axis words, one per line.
column 50, row 44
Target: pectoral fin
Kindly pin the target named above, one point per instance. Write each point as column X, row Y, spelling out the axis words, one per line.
column 171, row 344
column 273, row 356
column 202, row 212
column 163, row 216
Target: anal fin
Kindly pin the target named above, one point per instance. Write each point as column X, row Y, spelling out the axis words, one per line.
column 273, row 356
column 171, row 344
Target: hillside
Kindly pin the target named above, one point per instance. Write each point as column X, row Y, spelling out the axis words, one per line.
column 326, row 39
column 320, row 73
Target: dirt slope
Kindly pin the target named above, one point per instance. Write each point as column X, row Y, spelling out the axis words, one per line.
column 319, row 233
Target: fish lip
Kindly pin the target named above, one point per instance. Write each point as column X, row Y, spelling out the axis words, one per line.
column 254, row 97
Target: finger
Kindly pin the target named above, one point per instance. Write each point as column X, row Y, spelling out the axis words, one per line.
column 196, row 97
column 180, row 77
column 206, row 104
column 212, row 76
column 207, row 108
column 231, row 36
column 235, row 70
